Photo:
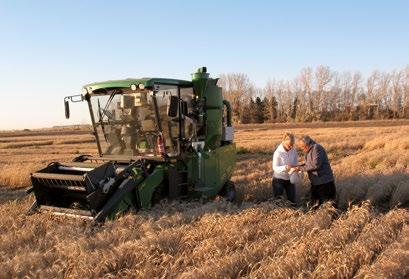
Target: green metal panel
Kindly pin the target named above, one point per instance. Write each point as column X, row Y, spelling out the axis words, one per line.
column 211, row 173
column 126, row 202
column 213, row 128
column 147, row 188
column 227, row 161
column 217, row 168
column 147, row 82
column 206, row 89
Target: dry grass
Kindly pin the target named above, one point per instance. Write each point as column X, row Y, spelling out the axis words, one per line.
column 23, row 152
column 256, row 238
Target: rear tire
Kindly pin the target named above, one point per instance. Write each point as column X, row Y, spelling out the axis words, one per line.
column 228, row 191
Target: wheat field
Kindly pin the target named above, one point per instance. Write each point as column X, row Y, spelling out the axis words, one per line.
column 367, row 236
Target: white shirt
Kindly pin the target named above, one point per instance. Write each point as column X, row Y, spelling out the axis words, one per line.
column 281, row 158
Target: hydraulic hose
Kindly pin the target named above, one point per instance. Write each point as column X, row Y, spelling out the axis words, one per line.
column 229, row 112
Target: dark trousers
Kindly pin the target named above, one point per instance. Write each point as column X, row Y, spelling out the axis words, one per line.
column 279, row 185
column 322, row 193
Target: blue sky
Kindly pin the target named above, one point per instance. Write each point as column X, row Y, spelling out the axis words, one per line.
column 49, row 49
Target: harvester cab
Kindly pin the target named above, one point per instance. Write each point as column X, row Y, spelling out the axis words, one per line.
column 156, row 138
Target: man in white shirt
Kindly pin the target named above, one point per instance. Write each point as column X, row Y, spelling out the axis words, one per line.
column 284, row 159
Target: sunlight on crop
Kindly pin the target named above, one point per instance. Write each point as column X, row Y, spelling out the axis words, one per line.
column 256, row 237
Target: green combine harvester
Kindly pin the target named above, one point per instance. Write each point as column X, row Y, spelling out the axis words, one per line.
column 157, row 139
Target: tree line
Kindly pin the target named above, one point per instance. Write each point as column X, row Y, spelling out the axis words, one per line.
column 319, row 94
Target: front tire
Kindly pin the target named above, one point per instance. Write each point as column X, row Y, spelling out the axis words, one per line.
column 158, row 196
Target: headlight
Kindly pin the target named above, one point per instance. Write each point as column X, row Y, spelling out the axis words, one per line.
column 141, row 86
column 84, row 90
column 133, row 87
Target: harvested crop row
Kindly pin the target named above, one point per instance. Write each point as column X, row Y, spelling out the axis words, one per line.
column 26, row 144
column 228, row 239
column 301, row 256
column 39, row 235
column 76, row 141
column 393, row 262
column 375, row 237
column 174, row 249
column 240, row 263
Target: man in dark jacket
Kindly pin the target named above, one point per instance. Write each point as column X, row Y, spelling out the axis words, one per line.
column 319, row 171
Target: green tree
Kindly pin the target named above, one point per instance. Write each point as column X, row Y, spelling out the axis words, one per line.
column 258, row 111
column 246, row 115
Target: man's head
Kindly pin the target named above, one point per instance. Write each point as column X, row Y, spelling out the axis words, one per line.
column 288, row 140
column 304, row 143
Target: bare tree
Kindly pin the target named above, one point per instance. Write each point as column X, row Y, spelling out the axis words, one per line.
column 382, row 96
column 356, row 90
column 288, row 95
column 323, row 77
column 346, row 95
column 283, row 96
column 306, row 99
column 371, row 84
column 405, row 93
column 335, row 100
column 237, row 89
column 396, row 98
column 322, row 94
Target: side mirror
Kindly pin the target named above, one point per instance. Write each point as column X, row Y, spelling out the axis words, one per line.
column 173, row 105
column 74, row 99
column 67, row 109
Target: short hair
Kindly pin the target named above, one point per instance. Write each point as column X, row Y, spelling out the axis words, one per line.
column 289, row 136
column 306, row 139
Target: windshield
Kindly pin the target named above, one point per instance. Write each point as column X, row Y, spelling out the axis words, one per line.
column 126, row 122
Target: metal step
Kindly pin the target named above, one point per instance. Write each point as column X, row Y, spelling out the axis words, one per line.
column 204, row 189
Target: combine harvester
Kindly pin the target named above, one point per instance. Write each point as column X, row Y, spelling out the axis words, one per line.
column 157, row 138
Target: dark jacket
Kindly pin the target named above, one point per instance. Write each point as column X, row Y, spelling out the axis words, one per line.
column 317, row 165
